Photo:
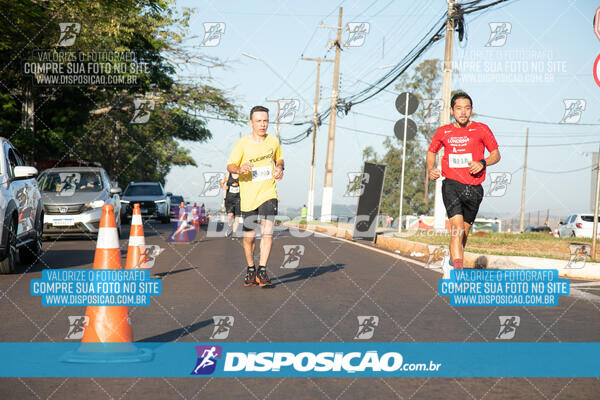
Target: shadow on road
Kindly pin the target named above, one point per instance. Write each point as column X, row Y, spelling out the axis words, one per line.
column 161, row 275
column 306, row 273
column 175, row 334
column 68, row 259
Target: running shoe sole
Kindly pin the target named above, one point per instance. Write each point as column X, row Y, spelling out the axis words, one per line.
column 263, row 284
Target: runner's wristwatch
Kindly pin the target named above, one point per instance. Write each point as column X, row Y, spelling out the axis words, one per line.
column 482, row 161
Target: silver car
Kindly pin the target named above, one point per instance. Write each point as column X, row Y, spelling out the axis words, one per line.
column 73, row 198
column 20, row 210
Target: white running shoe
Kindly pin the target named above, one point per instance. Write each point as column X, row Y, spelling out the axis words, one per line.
column 446, row 267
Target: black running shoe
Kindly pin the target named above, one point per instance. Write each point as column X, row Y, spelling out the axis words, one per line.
column 262, row 279
column 250, row 277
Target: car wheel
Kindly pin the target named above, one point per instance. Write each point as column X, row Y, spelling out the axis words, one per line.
column 165, row 220
column 29, row 253
column 8, row 264
column 124, row 219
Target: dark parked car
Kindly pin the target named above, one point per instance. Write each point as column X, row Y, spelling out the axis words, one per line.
column 154, row 201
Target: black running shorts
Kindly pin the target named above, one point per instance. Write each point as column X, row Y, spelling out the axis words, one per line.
column 267, row 210
column 462, row 199
column 232, row 205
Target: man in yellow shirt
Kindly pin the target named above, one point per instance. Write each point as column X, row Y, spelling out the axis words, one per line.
column 257, row 159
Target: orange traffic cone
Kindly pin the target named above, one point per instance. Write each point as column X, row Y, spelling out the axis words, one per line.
column 136, row 252
column 183, row 232
column 107, row 324
column 108, row 336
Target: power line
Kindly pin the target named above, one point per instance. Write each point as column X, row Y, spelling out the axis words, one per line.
column 305, row 48
column 363, row 131
column 424, row 44
column 533, row 122
column 516, row 136
column 560, row 172
column 383, row 9
column 549, row 145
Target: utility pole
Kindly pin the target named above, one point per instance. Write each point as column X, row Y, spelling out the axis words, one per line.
column 522, row 219
column 277, row 120
column 595, row 219
column 311, row 185
column 439, row 212
column 326, row 203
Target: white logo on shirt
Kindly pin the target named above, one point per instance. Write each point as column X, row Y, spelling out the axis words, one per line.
column 458, row 140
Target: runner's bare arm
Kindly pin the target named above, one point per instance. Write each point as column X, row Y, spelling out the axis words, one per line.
column 434, row 173
column 278, row 171
column 493, row 158
column 234, row 169
column 223, row 182
column 475, row 166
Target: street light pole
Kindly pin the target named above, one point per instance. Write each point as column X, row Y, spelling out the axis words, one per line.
column 403, row 162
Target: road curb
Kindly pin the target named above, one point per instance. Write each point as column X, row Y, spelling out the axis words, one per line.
column 420, row 251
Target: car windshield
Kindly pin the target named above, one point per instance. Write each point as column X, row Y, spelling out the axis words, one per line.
column 69, row 182
column 143, row 190
column 176, row 200
column 587, row 218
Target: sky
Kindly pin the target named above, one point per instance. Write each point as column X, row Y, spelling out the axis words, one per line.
column 520, row 83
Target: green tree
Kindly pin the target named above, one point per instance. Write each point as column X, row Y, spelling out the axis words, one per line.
column 93, row 122
column 413, row 177
column 425, row 82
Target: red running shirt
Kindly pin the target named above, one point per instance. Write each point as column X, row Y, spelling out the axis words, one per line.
column 462, row 145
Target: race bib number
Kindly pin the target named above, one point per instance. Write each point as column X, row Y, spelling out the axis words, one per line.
column 459, row 160
column 234, row 189
column 262, row 173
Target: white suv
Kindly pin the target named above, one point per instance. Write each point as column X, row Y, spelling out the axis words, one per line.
column 21, row 210
column 577, row 225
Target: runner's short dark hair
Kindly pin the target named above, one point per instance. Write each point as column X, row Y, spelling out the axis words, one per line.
column 460, row 95
column 258, row 109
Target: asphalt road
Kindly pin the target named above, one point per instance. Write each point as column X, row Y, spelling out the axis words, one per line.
column 334, row 283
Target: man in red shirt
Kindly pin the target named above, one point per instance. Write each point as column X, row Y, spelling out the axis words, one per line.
column 463, row 167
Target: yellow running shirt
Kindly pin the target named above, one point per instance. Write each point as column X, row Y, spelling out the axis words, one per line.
column 258, row 185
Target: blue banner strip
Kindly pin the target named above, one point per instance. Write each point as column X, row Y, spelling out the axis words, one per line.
column 305, row 359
